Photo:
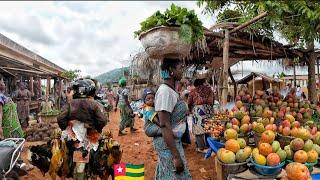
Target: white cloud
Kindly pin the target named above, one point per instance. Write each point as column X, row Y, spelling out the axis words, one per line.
column 94, row 37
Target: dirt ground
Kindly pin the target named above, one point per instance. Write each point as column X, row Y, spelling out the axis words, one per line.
column 138, row 149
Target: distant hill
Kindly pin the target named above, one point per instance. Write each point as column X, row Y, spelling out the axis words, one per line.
column 111, row 76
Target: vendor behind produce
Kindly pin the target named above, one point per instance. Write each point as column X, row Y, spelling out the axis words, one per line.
column 200, row 101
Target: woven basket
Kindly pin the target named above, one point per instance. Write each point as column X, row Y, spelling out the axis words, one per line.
column 161, row 42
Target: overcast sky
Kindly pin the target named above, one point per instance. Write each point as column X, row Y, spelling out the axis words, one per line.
column 94, row 37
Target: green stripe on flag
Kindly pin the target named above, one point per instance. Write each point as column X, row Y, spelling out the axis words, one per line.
column 135, row 166
column 134, row 174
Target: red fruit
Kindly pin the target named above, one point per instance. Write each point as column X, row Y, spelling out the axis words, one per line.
column 269, row 127
column 296, row 124
column 238, row 98
column 268, row 136
column 265, row 149
column 273, row 159
column 274, row 127
column 286, row 131
column 313, row 130
column 280, row 129
column 235, row 121
column 302, row 110
column 286, row 123
column 281, row 114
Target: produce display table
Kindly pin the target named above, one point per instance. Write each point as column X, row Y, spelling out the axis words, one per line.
column 249, row 174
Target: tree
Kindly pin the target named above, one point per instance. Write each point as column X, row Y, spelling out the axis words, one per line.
column 71, row 74
column 296, row 21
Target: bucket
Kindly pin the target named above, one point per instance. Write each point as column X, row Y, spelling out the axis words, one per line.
column 223, row 170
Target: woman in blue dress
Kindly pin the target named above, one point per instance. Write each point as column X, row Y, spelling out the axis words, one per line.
column 172, row 113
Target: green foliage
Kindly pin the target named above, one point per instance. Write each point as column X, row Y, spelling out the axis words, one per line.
column 111, row 76
column 71, row 74
column 191, row 29
column 229, row 15
column 53, row 112
column 297, row 21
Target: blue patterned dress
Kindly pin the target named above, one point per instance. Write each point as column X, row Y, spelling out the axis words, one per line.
column 165, row 168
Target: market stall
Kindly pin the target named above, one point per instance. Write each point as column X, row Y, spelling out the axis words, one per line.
column 284, row 131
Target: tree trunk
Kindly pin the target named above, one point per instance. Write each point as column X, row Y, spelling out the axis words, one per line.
column 312, row 95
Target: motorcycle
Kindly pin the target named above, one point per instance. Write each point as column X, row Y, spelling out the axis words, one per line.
column 11, row 165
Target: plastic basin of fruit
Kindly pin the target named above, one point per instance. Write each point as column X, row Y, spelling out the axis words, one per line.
column 267, row 170
column 214, row 145
column 309, row 165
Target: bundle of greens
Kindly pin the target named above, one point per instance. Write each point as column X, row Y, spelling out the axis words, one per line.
column 191, row 29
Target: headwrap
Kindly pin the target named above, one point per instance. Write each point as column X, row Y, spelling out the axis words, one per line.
column 122, row 82
column 146, row 92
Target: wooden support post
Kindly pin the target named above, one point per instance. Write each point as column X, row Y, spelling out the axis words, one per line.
column 31, row 86
column 294, row 75
column 60, row 92
column 225, row 67
column 253, row 85
column 318, row 70
column 234, row 84
column 48, row 88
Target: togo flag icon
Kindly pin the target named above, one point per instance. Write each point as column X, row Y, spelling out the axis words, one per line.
column 124, row 171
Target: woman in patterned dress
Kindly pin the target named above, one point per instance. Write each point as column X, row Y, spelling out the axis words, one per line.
column 200, row 101
column 172, row 112
column 9, row 122
column 126, row 112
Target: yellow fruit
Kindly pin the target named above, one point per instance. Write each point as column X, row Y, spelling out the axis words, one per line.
column 255, row 151
column 260, row 159
column 247, row 150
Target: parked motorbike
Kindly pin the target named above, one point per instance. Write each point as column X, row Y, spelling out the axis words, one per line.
column 11, row 165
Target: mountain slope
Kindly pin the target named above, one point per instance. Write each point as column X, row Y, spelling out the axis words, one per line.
column 112, row 76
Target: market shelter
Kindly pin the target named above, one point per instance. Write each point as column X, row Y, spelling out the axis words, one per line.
column 258, row 81
column 18, row 64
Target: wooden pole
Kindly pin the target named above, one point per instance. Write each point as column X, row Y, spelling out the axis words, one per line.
column 253, row 20
column 60, row 92
column 48, row 88
column 253, row 85
column 294, row 76
column 31, row 86
column 225, row 67
column 234, row 84
column 318, row 70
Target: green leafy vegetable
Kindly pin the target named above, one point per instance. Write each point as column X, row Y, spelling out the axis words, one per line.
column 191, row 29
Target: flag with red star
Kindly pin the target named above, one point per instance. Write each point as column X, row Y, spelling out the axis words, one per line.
column 124, row 171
